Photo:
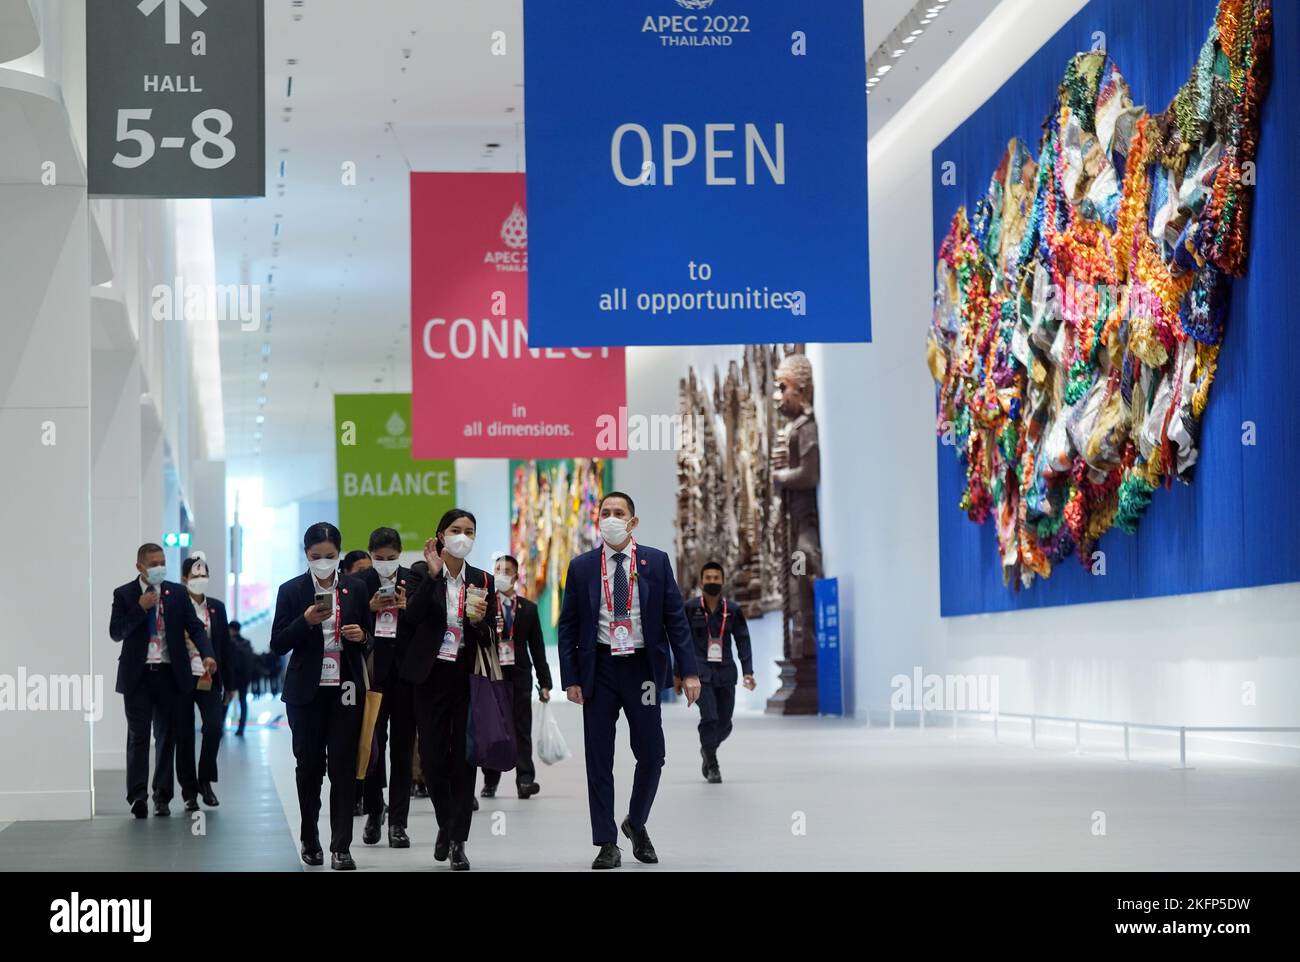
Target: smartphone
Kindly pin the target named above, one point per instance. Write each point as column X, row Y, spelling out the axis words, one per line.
column 387, row 591
column 324, row 600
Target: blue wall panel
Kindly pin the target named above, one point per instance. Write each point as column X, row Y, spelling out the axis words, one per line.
column 1238, row 523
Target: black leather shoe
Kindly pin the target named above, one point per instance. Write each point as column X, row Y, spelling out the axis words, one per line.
column 488, row 791
column 441, row 845
column 139, row 808
column 161, row 809
column 371, row 833
column 208, row 795
column 476, row 804
column 342, row 862
column 192, row 804
column 610, row 856
column 419, row 790
column 459, row 863
column 529, row 789
column 311, row 854
column 397, row 837
column 714, row 776
column 641, row 847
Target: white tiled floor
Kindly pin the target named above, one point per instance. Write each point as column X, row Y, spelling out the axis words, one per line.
column 869, row 798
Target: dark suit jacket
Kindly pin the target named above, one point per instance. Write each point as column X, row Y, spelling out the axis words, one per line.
column 703, row 624
column 219, row 637
column 427, row 608
column 390, row 652
column 530, row 647
column 305, row 644
column 130, row 624
column 663, row 619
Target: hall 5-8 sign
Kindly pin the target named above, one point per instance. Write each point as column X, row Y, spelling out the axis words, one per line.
column 175, row 95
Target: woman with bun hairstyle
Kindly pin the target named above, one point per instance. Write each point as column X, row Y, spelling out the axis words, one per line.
column 321, row 622
column 448, row 608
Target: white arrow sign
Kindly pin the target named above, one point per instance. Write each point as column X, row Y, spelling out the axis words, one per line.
column 172, row 15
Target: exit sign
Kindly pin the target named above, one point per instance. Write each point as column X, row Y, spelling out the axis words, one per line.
column 176, row 539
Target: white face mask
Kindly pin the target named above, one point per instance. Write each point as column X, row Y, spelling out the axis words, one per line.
column 459, row 545
column 613, row 530
column 386, row 569
column 324, row 568
column 504, row 582
column 156, row 575
column 199, row 586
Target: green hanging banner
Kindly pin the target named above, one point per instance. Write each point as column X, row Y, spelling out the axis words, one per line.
column 379, row 483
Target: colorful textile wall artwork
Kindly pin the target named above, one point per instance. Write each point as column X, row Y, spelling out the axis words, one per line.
column 1081, row 305
column 552, row 519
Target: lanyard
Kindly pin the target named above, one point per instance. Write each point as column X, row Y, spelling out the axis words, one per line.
column 514, row 616
column 722, row 632
column 604, row 577
column 460, row 607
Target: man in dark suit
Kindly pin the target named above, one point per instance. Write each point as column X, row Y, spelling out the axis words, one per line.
column 520, row 646
column 387, row 582
column 150, row 618
column 623, row 639
column 208, row 694
column 715, row 621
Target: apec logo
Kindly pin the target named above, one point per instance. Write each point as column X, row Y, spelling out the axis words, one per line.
column 693, row 30
column 397, row 439
column 514, row 234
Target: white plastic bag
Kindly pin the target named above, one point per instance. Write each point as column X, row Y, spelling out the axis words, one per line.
column 547, row 738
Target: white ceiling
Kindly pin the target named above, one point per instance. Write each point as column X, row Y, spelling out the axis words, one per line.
column 391, row 86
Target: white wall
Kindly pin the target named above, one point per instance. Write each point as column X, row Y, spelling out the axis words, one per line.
column 1179, row 660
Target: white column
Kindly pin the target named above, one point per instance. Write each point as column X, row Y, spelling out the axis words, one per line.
column 114, row 508
column 45, row 754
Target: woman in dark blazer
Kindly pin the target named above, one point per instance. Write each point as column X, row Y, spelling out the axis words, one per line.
column 448, row 608
column 321, row 622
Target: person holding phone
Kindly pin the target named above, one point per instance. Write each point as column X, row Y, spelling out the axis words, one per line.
column 321, row 622
column 211, row 695
column 448, row 609
column 387, row 581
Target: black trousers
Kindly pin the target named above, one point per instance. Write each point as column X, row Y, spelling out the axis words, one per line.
column 396, row 729
column 243, row 710
column 212, row 717
column 441, row 713
column 621, row 684
column 717, row 705
column 152, row 705
column 524, row 770
column 325, row 734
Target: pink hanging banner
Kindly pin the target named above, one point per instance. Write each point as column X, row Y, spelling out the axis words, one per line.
column 477, row 389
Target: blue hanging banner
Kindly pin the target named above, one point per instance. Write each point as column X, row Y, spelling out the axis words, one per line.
column 826, row 607
column 697, row 172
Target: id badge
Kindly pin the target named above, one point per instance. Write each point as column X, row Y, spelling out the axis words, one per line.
column 506, row 652
column 715, row 649
column 386, row 623
column 154, row 654
column 451, row 643
column 330, row 668
column 196, row 666
column 620, row 637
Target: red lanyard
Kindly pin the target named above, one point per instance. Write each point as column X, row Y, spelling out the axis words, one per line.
column 604, row 577
column 513, row 617
column 722, row 632
column 460, row 608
